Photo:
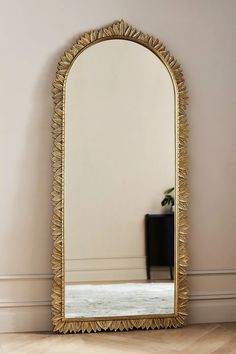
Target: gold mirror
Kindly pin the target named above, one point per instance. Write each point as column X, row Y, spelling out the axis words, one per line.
column 120, row 184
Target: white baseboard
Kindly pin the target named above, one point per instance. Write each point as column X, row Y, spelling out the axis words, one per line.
column 25, row 302
column 126, row 274
column 209, row 310
column 212, row 296
column 105, row 269
column 212, row 299
column 160, row 273
column 21, row 317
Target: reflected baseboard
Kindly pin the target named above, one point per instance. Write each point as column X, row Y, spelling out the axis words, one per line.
column 160, row 273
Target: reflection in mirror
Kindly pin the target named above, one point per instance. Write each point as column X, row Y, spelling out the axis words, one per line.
column 119, row 239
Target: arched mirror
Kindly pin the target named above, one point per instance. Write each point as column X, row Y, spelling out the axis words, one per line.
column 119, row 193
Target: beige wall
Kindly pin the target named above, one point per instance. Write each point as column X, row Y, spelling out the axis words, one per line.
column 201, row 35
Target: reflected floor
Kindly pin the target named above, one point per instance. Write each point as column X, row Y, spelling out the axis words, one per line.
column 125, row 299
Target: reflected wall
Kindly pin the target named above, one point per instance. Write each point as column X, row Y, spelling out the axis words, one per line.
column 119, row 160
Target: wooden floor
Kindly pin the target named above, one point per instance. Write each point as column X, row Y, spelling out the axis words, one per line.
column 199, row 339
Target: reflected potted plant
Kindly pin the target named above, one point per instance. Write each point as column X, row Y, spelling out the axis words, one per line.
column 169, row 199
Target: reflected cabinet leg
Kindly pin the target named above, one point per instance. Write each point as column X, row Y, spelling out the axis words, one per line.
column 171, row 273
column 147, row 248
column 169, row 226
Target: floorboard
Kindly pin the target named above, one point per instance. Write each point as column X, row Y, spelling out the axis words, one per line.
column 194, row 339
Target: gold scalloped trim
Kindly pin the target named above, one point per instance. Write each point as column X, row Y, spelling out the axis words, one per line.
column 123, row 31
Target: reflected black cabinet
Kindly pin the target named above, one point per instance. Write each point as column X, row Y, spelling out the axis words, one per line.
column 159, row 239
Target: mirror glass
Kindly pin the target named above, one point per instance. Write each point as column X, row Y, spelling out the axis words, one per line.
column 119, row 240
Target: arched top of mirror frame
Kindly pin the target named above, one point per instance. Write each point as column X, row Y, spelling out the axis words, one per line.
column 119, row 30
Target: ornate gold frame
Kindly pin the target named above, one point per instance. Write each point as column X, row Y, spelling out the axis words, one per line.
column 119, row 30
